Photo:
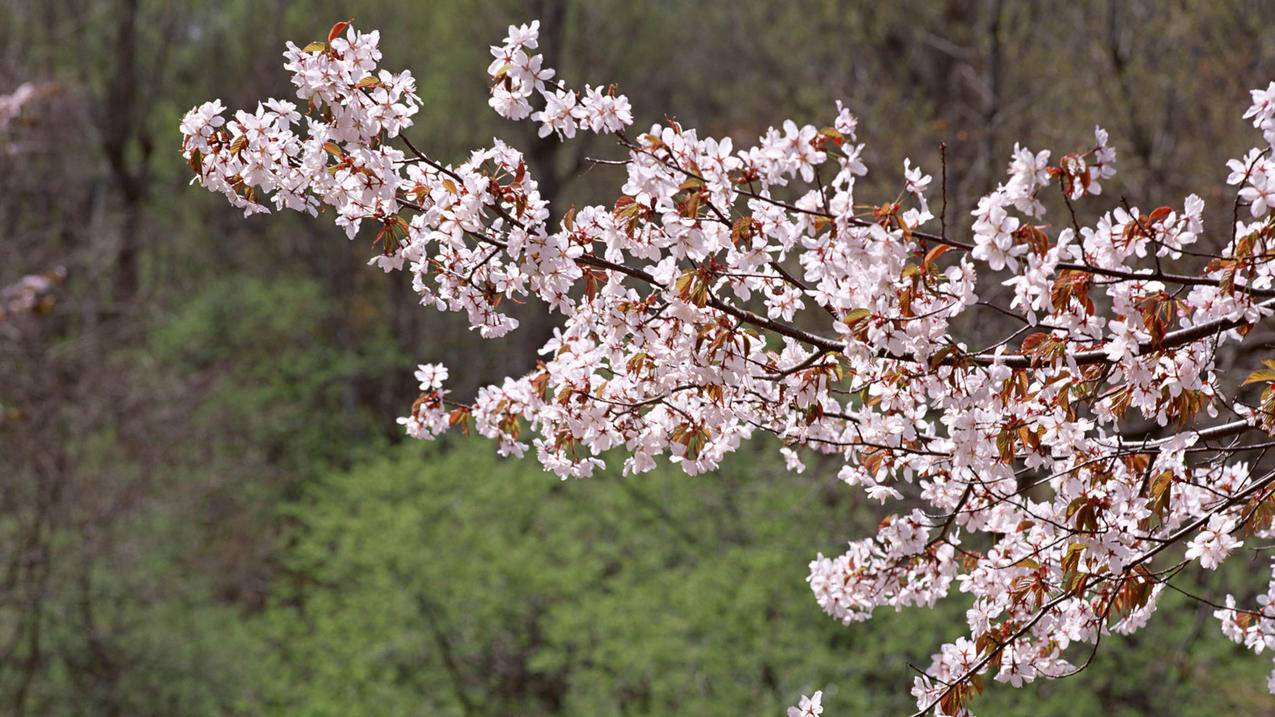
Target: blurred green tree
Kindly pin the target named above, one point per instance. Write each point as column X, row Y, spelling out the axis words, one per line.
column 444, row 581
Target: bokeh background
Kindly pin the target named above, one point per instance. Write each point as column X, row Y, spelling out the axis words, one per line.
column 206, row 507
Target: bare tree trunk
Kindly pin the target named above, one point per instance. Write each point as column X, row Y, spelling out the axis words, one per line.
column 991, row 99
column 121, row 124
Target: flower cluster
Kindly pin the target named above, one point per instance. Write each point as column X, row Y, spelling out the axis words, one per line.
column 1255, row 628
column 429, row 415
column 338, row 162
column 518, row 76
column 898, row 567
column 730, row 291
column 12, row 103
column 32, row 294
column 811, row 706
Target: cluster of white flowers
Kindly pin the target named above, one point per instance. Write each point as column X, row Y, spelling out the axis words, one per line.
column 1262, row 112
column 517, row 77
column 12, row 103
column 337, row 162
column 897, row 568
column 31, row 294
column 811, row 706
column 1001, row 239
column 429, row 415
column 1252, row 628
column 1211, row 545
column 691, row 308
column 1255, row 174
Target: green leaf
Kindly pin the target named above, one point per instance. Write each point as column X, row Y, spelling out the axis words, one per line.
column 1260, row 375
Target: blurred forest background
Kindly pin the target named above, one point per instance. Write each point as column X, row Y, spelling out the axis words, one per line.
column 206, row 507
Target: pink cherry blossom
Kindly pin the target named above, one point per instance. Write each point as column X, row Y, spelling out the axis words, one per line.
column 736, row 289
